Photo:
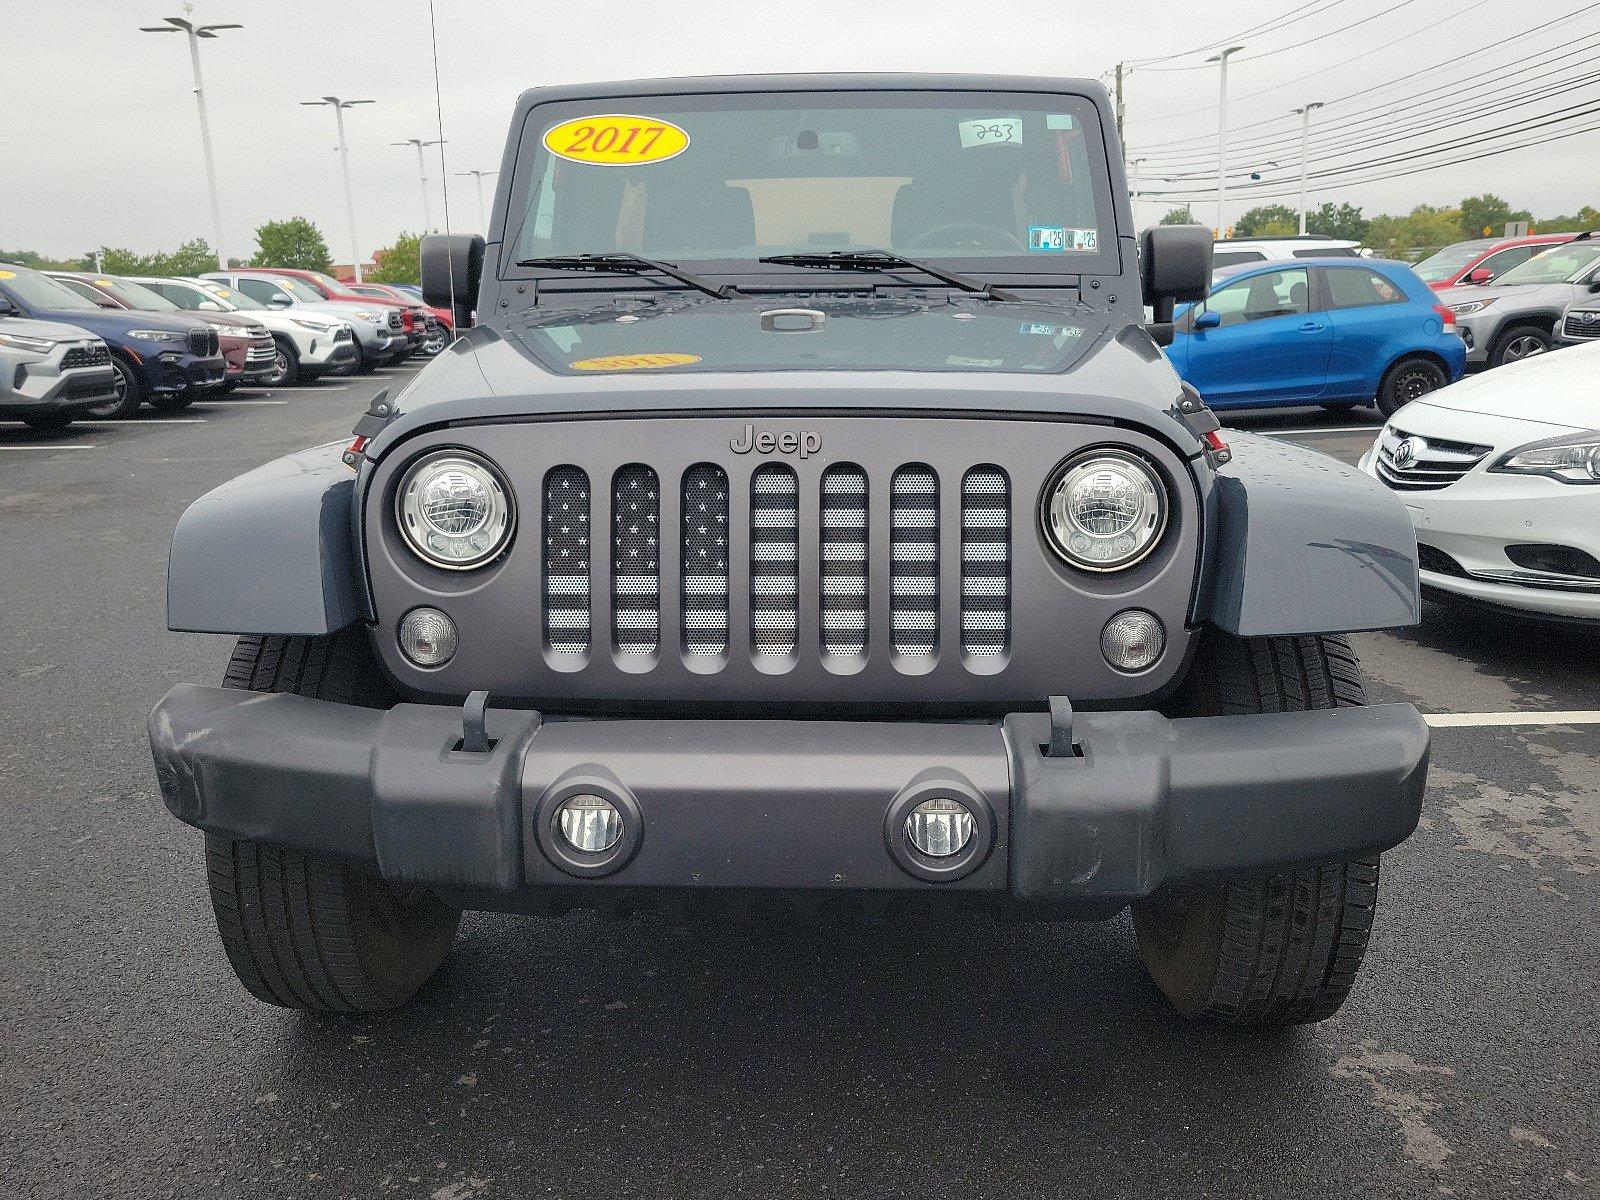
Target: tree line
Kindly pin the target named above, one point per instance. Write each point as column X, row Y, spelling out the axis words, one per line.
column 1424, row 229
column 295, row 242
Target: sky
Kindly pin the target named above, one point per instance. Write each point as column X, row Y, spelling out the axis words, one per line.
column 102, row 142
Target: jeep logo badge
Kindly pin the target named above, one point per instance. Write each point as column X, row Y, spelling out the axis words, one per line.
column 805, row 443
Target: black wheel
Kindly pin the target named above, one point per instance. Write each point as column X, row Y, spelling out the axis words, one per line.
column 174, row 402
column 1518, row 343
column 51, row 422
column 366, row 363
column 1283, row 950
column 129, row 393
column 308, row 932
column 1407, row 380
column 285, row 364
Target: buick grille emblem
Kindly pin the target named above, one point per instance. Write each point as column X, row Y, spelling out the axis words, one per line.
column 1405, row 454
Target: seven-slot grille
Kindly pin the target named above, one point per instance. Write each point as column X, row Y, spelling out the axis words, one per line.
column 711, row 553
column 1412, row 463
column 203, row 342
column 89, row 354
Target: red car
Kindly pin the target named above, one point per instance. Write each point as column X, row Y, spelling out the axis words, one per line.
column 331, row 289
column 248, row 352
column 1481, row 259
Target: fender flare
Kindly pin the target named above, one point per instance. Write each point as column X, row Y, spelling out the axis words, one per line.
column 273, row 551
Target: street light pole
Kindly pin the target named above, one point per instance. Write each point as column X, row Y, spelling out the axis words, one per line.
column 1222, row 134
column 196, row 32
column 338, row 107
column 1305, row 137
column 483, row 219
column 422, row 170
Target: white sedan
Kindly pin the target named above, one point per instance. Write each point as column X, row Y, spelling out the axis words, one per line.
column 1501, row 473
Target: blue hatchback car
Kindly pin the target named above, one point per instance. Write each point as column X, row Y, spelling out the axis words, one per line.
column 1339, row 332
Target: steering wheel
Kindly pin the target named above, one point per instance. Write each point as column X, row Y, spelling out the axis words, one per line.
column 992, row 232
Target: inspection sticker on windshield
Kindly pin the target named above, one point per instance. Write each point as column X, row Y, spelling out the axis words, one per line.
column 634, row 362
column 990, row 131
column 1055, row 239
column 616, row 140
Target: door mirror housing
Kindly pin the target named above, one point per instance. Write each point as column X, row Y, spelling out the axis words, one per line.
column 452, row 268
column 1174, row 266
column 1208, row 320
column 209, row 306
column 279, row 300
column 1480, row 275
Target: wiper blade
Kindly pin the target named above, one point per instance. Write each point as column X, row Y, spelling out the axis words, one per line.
column 630, row 264
column 879, row 260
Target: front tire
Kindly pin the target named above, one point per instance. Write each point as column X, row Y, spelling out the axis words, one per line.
column 306, row 931
column 1407, row 380
column 285, row 365
column 1282, row 950
column 1518, row 343
column 129, row 391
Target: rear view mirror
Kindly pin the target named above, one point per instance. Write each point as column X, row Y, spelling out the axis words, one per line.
column 1208, row 320
column 452, row 267
column 1174, row 265
column 1480, row 275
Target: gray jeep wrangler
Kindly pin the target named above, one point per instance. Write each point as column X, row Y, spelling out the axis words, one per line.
column 809, row 516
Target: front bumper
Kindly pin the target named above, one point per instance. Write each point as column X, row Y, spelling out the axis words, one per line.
column 1477, row 331
column 1142, row 805
column 44, row 387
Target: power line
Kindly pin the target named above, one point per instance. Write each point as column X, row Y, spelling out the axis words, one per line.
column 1297, row 45
column 1272, row 25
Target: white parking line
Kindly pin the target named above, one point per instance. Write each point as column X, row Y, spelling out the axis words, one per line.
column 1320, row 429
column 234, row 403
column 49, row 446
column 1473, row 720
column 136, row 424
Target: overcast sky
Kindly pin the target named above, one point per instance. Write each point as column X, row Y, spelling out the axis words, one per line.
column 101, row 141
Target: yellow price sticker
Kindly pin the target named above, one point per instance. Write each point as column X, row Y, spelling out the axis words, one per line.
column 8, row 274
column 616, row 140
column 635, row 362
column 102, row 283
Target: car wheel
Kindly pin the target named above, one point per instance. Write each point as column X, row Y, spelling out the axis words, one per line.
column 285, row 365
column 1283, row 950
column 366, row 364
column 51, row 422
column 301, row 930
column 1409, row 379
column 1514, row 345
column 129, row 393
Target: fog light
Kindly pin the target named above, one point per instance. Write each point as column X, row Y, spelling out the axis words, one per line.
column 939, row 827
column 590, row 824
column 427, row 637
column 1133, row 640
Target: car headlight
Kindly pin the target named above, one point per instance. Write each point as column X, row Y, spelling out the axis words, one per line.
column 33, row 345
column 1104, row 510
column 158, row 335
column 1469, row 307
column 454, row 509
column 314, row 326
column 1571, row 459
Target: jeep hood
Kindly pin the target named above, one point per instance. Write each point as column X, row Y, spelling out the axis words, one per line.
column 915, row 353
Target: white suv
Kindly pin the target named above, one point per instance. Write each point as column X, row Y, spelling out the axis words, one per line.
column 1235, row 251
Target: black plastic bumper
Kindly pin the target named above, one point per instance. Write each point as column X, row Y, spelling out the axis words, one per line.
column 1140, row 805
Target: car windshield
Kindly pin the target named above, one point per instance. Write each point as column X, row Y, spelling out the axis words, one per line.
column 1449, row 262
column 40, row 291
column 1553, row 266
column 298, row 288
column 996, row 182
column 135, row 295
column 235, row 299
column 327, row 283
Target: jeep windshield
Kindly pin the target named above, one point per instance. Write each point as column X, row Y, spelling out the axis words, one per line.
column 999, row 184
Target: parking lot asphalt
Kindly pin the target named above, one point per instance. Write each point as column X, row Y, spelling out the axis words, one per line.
column 577, row 1058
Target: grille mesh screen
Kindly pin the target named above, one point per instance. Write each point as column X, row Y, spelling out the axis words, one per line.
column 774, row 551
column 704, row 545
column 985, row 562
column 636, row 560
column 844, row 560
column 566, row 560
column 914, row 562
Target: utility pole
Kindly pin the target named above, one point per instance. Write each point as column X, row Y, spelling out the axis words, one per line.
column 1222, row 136
column 196, row 32
column 1305, row 137
column 1133, row 191
column 483, row 218
column 338, row 107
column 422, row 169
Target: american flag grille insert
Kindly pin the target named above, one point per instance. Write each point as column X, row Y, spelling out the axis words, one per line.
column 914, row 562
column 774, row 555
column 985, row 562
column 566, row 560
column 636, row 560
column 704, row 546
column 844, row 568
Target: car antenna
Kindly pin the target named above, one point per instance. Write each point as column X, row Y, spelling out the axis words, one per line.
column 444, row 177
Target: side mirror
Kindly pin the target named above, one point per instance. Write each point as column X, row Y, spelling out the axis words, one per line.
column 1208, row 320
column 209, row 306
column 1480, row 275
column 1174, row 265
column 279, row 300
column 452, row 269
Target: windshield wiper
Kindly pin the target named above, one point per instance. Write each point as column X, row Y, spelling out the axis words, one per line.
column 630, row 264
column 884, row 260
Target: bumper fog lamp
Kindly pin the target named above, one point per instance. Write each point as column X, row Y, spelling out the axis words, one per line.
column 939, row 827
column 427, row 637
column 590, row 824
column 1132, row 641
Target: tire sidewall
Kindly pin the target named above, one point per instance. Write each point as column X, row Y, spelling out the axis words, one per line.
column 1391, row 393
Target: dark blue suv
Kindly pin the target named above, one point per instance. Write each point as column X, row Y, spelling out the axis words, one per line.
column 165, row 358
column 1339, row 332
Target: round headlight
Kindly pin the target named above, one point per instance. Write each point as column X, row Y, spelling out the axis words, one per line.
column 1105, row 511
column 454, row 510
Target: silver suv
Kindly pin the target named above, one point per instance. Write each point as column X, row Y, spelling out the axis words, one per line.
column 50, row 373
column 1516, row 315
